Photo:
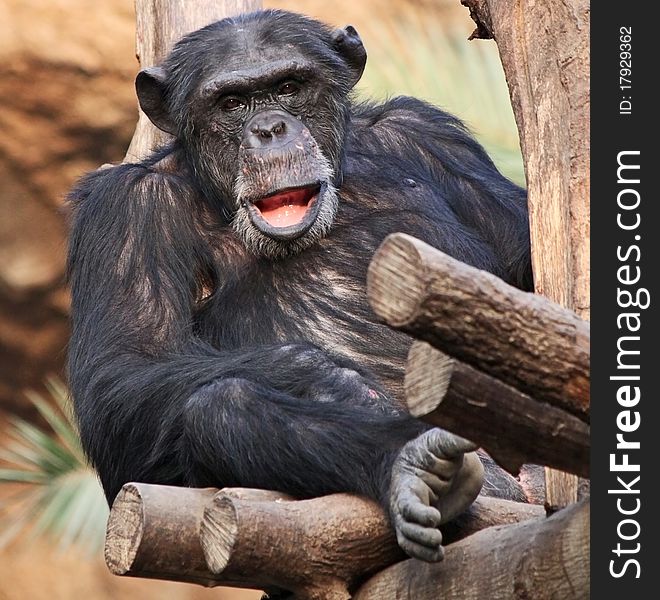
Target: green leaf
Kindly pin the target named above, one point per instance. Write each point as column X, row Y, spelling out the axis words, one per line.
column 52, row 453
column 22, row 476
column 61, row 496
column 60, row 425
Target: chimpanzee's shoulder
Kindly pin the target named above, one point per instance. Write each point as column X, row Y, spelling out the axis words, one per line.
column 114, row 185
column 402, row 113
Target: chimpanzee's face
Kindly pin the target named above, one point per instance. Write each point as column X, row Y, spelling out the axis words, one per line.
column 260, row 106
column 277, row 163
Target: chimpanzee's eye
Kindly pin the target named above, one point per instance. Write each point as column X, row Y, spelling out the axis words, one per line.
column 289, row 88
column 230, row 103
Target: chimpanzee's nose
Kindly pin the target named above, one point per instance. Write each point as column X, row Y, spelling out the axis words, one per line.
column 270, row 129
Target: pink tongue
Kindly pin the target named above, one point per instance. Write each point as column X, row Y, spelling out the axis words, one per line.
column 285, row 209
column 284, row 216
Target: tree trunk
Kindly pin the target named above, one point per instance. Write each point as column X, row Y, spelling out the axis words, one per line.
column 548, row 77
column 160, row 24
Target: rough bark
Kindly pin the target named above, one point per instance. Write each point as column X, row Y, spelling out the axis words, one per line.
column 321, row 549
column 542, row 559
column 160, row 24
column 512, row 427
column 520, row 338
column 544, row 49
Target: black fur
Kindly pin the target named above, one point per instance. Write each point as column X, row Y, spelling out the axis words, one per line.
column 194, row 361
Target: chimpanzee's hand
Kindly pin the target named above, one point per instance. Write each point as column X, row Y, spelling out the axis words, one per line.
column 435, row 478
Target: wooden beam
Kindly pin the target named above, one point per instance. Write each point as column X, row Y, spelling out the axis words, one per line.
column 522, row 339
column 321, row 549
column 512, row 427
column 541, row 559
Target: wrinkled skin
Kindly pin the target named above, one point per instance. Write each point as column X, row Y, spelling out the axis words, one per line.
column 435, row 478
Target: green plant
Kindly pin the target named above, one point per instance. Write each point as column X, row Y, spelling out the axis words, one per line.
column 58, row 494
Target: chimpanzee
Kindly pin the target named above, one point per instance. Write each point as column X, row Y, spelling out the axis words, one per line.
column 221, row 332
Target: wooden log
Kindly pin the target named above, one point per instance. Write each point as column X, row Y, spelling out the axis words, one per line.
column 316, row 548
column 512, row 427
column 520, row 338
column 160, row 24
column 153, row 531
column 321, row 549
column 488, row 512
column 544, row 47
column 542, row 559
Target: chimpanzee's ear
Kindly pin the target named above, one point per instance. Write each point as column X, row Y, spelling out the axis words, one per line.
column 348, row 43
column 150, row 88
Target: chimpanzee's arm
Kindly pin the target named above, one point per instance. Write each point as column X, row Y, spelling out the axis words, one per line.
column 134, row 258
column 156, row 404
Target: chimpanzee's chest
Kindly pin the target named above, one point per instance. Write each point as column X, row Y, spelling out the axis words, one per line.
column 305, row 297
column 318, row 297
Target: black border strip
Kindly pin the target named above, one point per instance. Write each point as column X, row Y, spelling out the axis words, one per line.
column 622, row 121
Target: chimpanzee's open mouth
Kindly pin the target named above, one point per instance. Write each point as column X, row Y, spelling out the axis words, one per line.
column 287, row 213
column 287, row 207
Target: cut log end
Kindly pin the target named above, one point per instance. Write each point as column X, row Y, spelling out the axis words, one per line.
column 395, row 286
column 220, row 527
column 433, row 373
column 153, row 531
column 519, row 338
column 124, row 535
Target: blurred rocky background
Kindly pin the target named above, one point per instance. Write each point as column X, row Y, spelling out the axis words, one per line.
column 67, row 105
